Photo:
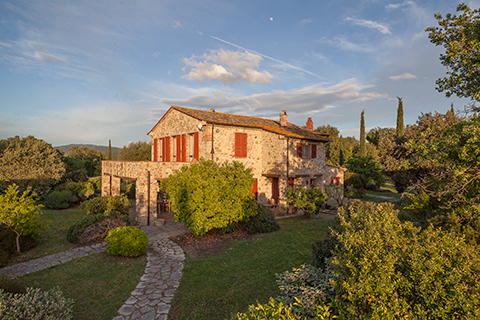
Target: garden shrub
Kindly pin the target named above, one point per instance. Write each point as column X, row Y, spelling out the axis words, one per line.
column 307, row 283
column 207, row 195
column 127, row 242
column 101, row 204
column 8, row 244
column 35, row 304
column 310, row 199
column 354, row 180
column 83, row 189
column 276, row 310
column 323, row 249
column 75, row 231
column 386, row 269
column 263, row 222
column 60, row 199
column 129, row 190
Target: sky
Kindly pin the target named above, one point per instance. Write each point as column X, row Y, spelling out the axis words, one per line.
column 91, row 71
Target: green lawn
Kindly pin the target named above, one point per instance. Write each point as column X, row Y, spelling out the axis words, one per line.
column 99, row 284
column 216, row 288
column 53, row 238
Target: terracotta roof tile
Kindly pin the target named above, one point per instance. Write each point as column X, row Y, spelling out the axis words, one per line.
column 245, row 121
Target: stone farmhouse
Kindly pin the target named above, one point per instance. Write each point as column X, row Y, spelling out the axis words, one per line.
column 278, row 152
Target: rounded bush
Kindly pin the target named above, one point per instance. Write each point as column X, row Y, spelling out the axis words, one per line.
column 127, row 242
column 60, row 199
column 263, row 222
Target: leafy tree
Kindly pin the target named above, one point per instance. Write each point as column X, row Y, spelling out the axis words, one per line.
column 109, row 150
column 19, row 213
column 30, row 163
column 400, row 127
column 340, row 149
column 136, row 151
column 367, row 167
column 375, row 135
column 310, row 200
column 460, row 36
column 208, row 195
column 83, row 161
column 363, row 147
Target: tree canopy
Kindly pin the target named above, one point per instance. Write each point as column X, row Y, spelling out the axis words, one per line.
column 30, row 163
column 83, row 161
column 136, row 151
column 460, row 36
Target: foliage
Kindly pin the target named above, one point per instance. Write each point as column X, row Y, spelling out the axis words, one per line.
column 35, row 305
column 129, row 189
column 30, row 163
column 340, row 148
column 385, row 269
column 75, row 231
column 263, row 222
column 400, row 130
column 375, row 135
column 310, row 200
column 208, row 195
column 8, row 244
column 322, row 251
column 307, row 284
column 276, row 310
column 136, row 151
column 19, row 213
column 353, row 180
column 460, row 37
column 335, row 192
column 60, row 199
column 100, row 205
column 83, row 161
column 127, row 242
column 11, row 286
column 363, row 147
column 82, row 190
column 367, row 167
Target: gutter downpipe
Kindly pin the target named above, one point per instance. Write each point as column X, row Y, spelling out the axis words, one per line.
column 213, row 150
column 288, row 143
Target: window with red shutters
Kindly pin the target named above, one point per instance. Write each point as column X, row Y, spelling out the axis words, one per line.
column 299, row 150
column 167, row 149
column 184, row 148
column 255, row 189
column 196, row 155
column 240, row 145
column 314, row 150
column 155, row 150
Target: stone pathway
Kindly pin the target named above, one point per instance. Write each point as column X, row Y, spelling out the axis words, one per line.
column 152, row 297
column 27, row 267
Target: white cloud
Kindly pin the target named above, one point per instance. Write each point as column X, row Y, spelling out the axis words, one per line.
column 226, row 66
column 403, row 77
column 318, row 97
column 47, row 57
column 344, row 44
column 177, row 24
column 156, row 54
column 382, row 28
column 394, row 6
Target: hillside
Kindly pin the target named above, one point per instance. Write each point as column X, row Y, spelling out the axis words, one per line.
column 103, row 149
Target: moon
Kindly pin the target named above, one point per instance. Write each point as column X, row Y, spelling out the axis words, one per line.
column 271, row 18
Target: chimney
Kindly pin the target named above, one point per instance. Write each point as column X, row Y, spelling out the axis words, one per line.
column 310, row 124
column 283, row 118
column 212, row 110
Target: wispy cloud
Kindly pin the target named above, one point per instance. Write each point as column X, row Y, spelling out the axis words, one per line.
column 394, row 6
column 318, row 97
column 342, row 43
column 226, row 66
column 47, row 57
column 282, row 63
column 403, row 76
column 382, row 28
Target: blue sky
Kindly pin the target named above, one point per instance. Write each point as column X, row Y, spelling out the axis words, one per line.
column 89, row 71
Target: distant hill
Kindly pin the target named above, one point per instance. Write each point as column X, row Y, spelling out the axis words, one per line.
column 103, row 149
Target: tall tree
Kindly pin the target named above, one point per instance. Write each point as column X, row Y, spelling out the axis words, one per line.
column 109, row 150
column 460, row 36
column 136, row 151
column 83, row 162
column 363, row 146
column 400, row 126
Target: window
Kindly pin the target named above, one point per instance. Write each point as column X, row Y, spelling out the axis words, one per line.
column 306, row 150
column 155, row 149
column 166, row 149
column 193, row 147
column 240, row 145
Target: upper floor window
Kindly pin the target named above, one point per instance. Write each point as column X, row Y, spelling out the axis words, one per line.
column 306, row 151
column 240, row 145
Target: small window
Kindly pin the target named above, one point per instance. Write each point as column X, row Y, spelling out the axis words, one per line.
column 240, row 145
column 306, row 151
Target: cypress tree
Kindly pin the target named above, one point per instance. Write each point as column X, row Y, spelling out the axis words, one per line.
column 363, row 147
column 109, row 150
column 400, row 126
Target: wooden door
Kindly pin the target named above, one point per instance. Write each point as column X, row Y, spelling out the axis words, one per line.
column 275, row 190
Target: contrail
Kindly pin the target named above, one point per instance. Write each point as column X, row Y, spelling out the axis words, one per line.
column 267, row 57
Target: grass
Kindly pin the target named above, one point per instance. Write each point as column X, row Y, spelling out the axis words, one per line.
column 217, row 288
column 99, row 284
column 53, row 238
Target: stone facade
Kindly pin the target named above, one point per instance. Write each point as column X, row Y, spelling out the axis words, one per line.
column 279, row 154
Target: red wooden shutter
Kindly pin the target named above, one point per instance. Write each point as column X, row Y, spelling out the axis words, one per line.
column 314, row 150
column 195, row 147
column 299, row 150
column 179, row 149
column 155, row 150
column 167, row 149
column 163, row 149
column 240, row 145
column 255, row 189
column 184, row 148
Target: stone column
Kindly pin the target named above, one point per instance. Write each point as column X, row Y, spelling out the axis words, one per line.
column 106, row 184
column 115, row 184
column 146, row 198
